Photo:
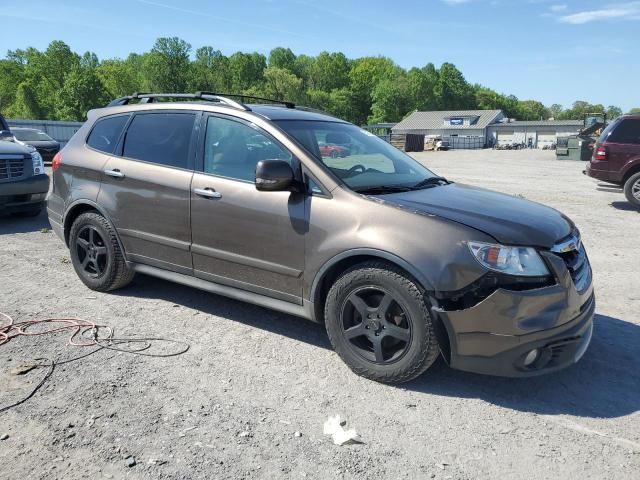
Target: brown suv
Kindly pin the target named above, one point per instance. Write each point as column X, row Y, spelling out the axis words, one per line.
column 398, row 263
column 616, row 156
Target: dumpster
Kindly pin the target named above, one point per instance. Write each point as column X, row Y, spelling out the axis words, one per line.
column 575, row 147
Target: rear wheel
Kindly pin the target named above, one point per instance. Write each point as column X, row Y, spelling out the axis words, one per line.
column 96, row 254
column 379, row 323
column 632, row 190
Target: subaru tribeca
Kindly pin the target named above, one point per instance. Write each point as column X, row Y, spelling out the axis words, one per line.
column 398, row 263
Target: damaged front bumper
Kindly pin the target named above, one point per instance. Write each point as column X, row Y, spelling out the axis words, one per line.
column 552, row 325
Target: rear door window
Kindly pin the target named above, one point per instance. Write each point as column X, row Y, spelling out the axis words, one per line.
column 106, row 132
column 628, row 131
column 162, row 138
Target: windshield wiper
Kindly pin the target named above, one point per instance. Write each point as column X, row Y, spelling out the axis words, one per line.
column 382, row 189
column 431, row 182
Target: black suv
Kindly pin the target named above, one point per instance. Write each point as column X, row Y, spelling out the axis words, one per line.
column 23, row 181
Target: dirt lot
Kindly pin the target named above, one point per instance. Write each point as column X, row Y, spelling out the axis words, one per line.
column 230, row 407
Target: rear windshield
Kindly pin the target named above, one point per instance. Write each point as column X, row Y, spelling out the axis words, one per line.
column 31, row 135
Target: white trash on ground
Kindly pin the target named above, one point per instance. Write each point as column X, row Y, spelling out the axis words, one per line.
column 334, row 427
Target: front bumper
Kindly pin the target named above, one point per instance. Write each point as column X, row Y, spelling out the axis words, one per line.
column 24, row 195
column 504, row 355
column 494, row 336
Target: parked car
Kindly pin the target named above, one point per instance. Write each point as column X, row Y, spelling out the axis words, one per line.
column 46, row 146
column 333, row 151
column 616, row 156
column 398, row 263
column 23, row 181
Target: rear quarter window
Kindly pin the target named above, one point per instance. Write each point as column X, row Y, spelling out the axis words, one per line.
column 162, row 138
column 627, row 131
column 106, row 132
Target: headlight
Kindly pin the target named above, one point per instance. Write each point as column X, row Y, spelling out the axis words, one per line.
column 38, row 164
column 523, row 261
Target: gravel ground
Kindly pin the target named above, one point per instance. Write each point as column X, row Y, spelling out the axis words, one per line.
column 231, row 406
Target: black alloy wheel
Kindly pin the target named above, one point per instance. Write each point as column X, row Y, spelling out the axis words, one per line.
column 376, row 325
column 92, row 251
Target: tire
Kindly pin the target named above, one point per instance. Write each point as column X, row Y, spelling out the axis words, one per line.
column 632, row 190
column 96, row 255
column 402, row 326
column 34, row 212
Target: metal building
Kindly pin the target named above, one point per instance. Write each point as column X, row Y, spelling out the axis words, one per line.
column 461, row 128
column 59, row 131
column 538, row 134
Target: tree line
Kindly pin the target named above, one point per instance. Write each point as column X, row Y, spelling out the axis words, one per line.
column 59, row 84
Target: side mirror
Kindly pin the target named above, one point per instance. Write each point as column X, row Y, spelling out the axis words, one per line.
column 6, row 135
column 274, row 176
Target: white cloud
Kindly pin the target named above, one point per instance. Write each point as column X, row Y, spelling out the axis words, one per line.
column 455, row 2
column 625, row 11
column 558, row 8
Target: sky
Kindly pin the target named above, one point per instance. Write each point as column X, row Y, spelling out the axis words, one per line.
column 549, row 50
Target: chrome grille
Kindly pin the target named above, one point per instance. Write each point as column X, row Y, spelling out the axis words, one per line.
column 572, row 251
column 11, row 167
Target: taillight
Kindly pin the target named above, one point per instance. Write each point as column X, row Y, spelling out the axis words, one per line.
column 601, row 153
column 56, row 162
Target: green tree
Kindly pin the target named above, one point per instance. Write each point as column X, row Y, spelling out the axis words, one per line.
column 281, row 57
column 364, row 75
column 421, row 83
column 391, row 100
column 82, row 91
column 452, row 90
column 280, row 84
column 246, row 70
column 532, row 110
column 613, row 112
column 210, row 71
column 121, row 77
column 555, row 110
column 634, row 110
column 166, row 67
column 329, row 71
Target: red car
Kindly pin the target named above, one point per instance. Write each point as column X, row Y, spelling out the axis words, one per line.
column 616, row 156
column 333, row 151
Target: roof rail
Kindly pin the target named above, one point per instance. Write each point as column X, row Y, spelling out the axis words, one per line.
column 144, row 97
column 242, row 96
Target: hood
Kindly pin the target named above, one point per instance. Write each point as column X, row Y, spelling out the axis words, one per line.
column 12, row 148
column 41, row 143
column 508, row 219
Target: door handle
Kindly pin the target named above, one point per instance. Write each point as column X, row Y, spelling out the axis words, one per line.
column 207, row 192
column 114, row 173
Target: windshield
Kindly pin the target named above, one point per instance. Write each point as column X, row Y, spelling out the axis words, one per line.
column 357, row 157
column 30, row 135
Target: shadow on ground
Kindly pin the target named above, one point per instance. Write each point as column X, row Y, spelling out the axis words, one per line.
column 13, row 224
column 604, row 384
column 625, row 206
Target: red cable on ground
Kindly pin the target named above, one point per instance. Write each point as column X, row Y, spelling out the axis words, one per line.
column 78, row 327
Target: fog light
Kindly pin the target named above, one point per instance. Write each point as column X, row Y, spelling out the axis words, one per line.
column 531, row 357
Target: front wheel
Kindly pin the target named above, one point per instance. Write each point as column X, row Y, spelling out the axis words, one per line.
column 96, row 255
column 379, row 324
column 632, row 190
